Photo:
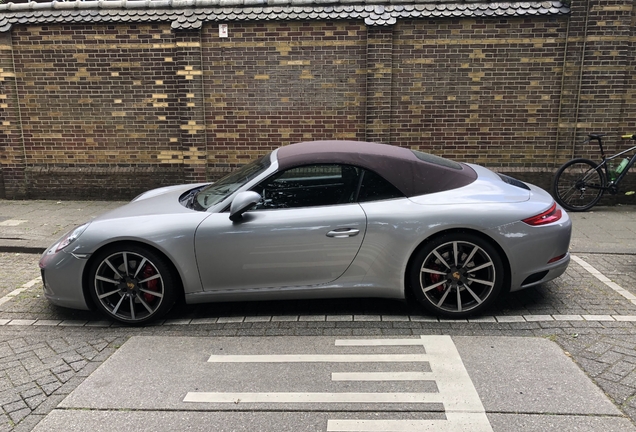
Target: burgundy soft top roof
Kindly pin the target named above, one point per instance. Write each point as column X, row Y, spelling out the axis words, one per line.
column 400, row 166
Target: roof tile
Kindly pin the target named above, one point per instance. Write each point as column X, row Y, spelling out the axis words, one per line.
column 187, row 14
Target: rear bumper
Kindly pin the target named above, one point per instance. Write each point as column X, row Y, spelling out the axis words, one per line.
column 553, row 272
column 537, row 254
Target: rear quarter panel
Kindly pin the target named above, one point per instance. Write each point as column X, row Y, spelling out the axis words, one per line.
column 396, row 228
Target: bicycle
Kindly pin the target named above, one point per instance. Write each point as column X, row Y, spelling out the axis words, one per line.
column 580, row 183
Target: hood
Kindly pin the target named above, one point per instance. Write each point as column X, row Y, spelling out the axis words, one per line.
column 163, row 200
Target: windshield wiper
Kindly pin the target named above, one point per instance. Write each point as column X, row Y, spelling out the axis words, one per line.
column 194, row 202
column 190, row 200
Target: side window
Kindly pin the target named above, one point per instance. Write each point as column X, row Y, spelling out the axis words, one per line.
column 375, row 188
column 309, row 186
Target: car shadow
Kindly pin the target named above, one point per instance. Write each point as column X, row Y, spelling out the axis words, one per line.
column 537, row 300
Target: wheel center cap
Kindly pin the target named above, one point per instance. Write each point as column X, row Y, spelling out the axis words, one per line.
column 457, row 275
column 130, row 285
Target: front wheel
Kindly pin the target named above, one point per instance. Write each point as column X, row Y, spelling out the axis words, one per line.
column 457, row 275
column 132, row 284
column 578, row 185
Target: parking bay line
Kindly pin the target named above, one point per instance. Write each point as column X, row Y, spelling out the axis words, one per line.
column 607, row 281
column 18, row 291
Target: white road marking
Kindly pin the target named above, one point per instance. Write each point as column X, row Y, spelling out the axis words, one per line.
column 473, row 422
column 284, row 397
column 17, row 291
column 382, row 376
column 454, row 383
column 462, row 406
column 318, row 358
column 378, row 342
column 607, row 281
column 12, row 222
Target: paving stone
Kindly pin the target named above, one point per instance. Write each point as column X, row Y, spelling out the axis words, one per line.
column 49, row 404
column 5, row 423
column 34, row 401
column 51, row 387
column 622, row 368
column 14, row 406
column 17, row 416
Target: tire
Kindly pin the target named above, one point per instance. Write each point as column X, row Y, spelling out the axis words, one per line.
column 578, row 185
column 132, row 284
column 457, row 275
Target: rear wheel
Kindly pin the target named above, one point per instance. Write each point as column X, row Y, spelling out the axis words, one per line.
column 132, row 284
column 457, row 275
column 578, row 185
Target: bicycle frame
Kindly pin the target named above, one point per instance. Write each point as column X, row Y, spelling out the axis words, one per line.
column 605, row 163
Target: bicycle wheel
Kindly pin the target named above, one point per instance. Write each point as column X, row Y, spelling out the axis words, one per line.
column 578, row 185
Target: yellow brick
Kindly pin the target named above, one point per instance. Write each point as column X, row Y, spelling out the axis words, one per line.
column 188, row 72
column 295, row 62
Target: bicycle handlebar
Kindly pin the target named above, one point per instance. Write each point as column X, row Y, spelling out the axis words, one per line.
column 628, row 136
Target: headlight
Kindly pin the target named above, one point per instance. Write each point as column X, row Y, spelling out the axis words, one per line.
column 70, row 237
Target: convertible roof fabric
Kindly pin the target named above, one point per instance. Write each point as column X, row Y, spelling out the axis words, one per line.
column 400, row 166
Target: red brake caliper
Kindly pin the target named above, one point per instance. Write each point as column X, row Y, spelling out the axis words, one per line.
column 152, row 285
column 435, row 278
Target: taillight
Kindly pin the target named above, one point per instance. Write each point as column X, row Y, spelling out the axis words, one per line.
column 551, row 215
column 557, row 258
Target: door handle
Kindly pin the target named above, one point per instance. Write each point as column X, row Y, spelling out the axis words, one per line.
column 343, row 232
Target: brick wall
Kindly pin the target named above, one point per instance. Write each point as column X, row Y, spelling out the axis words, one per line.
column 99, row 109
column 480, row 90
column 276, row 83
column 111, row 110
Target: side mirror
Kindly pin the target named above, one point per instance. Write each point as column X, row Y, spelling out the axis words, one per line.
column 242, row 202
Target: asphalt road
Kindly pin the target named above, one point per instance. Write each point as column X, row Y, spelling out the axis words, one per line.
column 48, row 352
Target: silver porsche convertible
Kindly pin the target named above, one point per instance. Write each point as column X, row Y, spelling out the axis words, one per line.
column 317, row 220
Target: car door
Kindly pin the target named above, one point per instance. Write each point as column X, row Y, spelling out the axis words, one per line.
column 306, row 231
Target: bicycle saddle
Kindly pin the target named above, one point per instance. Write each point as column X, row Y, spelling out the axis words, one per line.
column 596, row 135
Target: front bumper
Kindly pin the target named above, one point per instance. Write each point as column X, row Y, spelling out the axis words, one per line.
column 62, row 278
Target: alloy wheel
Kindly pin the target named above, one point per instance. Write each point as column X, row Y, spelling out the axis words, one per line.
column 129, row 286
column 457, row 277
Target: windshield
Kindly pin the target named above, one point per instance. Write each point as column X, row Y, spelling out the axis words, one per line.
column 218, row 191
